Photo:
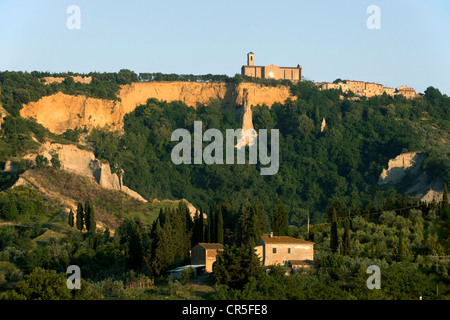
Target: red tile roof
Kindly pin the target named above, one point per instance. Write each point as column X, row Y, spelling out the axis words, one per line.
column 284, row 239
column 211, row 245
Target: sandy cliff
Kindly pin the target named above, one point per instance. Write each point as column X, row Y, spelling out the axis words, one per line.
column 60, row 112
column 419, row 183
column 83, row 162
column 397, row 167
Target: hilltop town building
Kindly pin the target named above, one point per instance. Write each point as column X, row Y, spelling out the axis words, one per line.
column 271, row 71
column 367, row 89
column 407, row 92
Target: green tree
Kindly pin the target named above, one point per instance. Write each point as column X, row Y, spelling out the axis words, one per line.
column 219, row 226
column 347, row 240
column 334, row 239
column 41, row 161
column 259, row 219
column 89, row 217
column 443, row 228
column 131, row 234
column 235, row 265
column 201, row 226
column 211, row 234
column 71, row 219
column 56, row 163
column 80, row 217
column 280, row 220
column 245, row 227
column 42, row 284
column 444, row 204
column 401, row 250
column 10, row 210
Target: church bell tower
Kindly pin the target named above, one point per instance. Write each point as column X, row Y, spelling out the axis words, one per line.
column 250, row 59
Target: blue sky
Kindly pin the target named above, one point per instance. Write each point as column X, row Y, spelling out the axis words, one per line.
column 329, row 39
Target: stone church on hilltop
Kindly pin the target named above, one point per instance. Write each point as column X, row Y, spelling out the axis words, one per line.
column 271, row 71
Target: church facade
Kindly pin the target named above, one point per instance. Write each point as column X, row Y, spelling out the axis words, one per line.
column 271, row 71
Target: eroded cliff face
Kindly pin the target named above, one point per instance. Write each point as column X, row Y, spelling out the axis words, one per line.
column 397, row 167
column 83, row 162
column 419, row 183
column 60, row 112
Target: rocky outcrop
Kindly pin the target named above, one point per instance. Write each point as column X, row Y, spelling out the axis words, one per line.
column 83, row 162
column 419, row 183
column 11, row 166
column 323, row 125
column 3, row 114
column 253, row 94
column 397, row 167
column 60, row 112
column 193, row 94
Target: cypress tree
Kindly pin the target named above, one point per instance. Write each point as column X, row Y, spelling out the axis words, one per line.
column 219, row 219
column 334, row 240
column 89, row 217
column 92, row 220
column 444, row 204
column 260, row 219
column 131, row 234
column 280, row 220
column 245, row 225
column 195, row 237
column 87, row 213
column 347, row 240
column 212, row 225
column 161, row 249
column 71, row 219
column 201, row 229
column 80, row 217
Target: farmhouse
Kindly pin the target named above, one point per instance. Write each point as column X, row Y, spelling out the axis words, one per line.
column 205, row 254
column 285, row 250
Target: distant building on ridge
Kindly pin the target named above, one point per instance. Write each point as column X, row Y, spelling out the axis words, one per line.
column 271, row 71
